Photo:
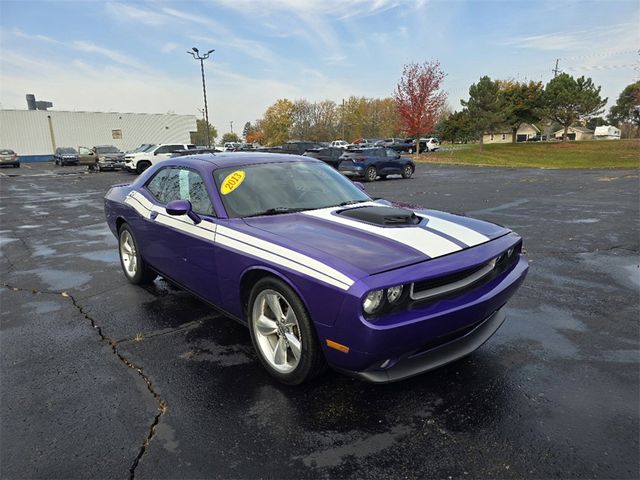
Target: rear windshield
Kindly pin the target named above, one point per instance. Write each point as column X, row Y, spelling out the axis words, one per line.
column 69, row 151
column 6, row 151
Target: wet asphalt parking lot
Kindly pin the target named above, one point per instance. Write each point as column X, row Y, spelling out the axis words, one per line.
column 103, row 379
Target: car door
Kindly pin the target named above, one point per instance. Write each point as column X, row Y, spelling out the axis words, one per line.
column 391, row 165
column 176, row 246
column 86, row 156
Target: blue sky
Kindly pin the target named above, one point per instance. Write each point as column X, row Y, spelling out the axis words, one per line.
column 131, row 56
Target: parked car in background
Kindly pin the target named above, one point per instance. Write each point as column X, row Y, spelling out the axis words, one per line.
column 399, row 144
column 293, row 147
column 107, row 157
column 329, row 155
column 429, row 144
column 363, row 143
column 142, row 148
column 9, row 157
column 339, row 144
column 66, row 156
column 231, row 146
column 140, row 161
column 319, row 272
column 370, row 163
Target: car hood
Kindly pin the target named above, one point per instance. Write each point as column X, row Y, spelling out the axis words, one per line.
column 329, row 235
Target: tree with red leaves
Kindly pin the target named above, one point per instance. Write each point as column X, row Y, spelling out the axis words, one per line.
column 419, row 99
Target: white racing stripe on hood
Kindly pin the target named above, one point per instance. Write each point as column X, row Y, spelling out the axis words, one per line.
column 457, row 231
column 418, row 238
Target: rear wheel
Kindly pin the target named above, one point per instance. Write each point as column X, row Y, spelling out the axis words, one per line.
column 142, row 166
column 407, row 171
column 370, row 174
column 282, row 333
column 133, row 266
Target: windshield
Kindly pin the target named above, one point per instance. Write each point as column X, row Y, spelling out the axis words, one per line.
column 68, row 151
column 107, row 150
column 275, row 188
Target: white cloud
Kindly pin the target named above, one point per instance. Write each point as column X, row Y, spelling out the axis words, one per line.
column 125, row 12
column 89, row 47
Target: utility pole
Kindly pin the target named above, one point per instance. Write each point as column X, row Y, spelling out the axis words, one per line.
column 555, row 70
column 231, row 122
column 196, row 54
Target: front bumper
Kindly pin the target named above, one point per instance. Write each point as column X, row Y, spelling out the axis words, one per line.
column 130, row 165
column 414, row 339
column 111, row 164
column 469, row 341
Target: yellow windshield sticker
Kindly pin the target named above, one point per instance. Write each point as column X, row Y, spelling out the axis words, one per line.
column 231, row 182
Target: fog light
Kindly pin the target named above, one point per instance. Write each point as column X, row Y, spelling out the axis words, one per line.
column 394, row 293
column 373, row 301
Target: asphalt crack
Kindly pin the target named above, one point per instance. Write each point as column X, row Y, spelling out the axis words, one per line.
column 162, row 404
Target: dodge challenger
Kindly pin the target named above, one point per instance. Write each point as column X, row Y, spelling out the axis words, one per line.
column 320, row 273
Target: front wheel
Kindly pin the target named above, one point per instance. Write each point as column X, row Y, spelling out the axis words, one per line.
column 142, row 166
column 133, row 266
column 370, row 174
column 282, row 333
column 407, row 171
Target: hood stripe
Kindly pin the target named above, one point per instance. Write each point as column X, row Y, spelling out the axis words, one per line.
column 461, row 233
column 426, row 242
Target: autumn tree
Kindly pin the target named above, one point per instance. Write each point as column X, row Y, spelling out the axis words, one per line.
column 419, row 98
column 277, row 122
column 199, row 137
column 230, row 137
column 627, row 108
column 522, row 103
column 485, row 107
column 254, row 136
column 568, row 100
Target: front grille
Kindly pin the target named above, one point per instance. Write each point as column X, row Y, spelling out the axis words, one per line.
column 464, row 279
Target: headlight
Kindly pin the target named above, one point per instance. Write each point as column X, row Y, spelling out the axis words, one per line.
column 373, row 301
column 394, row 293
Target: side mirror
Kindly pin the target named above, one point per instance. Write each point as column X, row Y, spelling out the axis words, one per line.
column 359, row 185
column 182, row 207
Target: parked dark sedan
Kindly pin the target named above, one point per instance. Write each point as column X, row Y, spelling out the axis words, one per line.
column 370, row 163
column 66, row 156
column 329, row 155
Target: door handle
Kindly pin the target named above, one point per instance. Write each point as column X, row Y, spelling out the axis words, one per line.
column 153, row 215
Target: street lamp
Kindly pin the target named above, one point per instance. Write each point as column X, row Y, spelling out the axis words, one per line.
column 196, row 54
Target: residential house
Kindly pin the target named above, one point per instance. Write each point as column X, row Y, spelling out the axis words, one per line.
column 575, row 133
column 524, row 133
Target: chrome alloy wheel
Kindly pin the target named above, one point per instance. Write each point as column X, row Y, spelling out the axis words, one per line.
column 277, row 331
column 128, row 254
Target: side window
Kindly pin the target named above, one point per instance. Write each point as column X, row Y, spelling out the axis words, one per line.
column 391, row 153
column 181, row 184
column 156, row 184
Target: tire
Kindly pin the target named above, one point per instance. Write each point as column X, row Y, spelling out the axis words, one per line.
column 370, row 174
column 407, row 171
column 142, row 166
column 55, row 161
column 285, row 340
column 16, row 165
column 133, row 266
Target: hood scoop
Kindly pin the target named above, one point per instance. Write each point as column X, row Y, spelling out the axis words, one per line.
column 382, row 216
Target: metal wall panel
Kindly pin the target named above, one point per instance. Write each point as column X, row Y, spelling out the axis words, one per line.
column 28, row 132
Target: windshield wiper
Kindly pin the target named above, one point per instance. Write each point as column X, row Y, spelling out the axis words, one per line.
column 276, row 211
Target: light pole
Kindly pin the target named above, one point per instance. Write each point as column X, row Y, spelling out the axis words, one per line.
column 196, row 54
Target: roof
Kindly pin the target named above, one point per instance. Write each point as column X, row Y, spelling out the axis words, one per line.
column 576, row 129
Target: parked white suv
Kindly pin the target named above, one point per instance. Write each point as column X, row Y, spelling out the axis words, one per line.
column 140, row 161
column 430, row 144
column 339, row 144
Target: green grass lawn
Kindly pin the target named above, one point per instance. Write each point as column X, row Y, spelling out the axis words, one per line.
column 588, row 154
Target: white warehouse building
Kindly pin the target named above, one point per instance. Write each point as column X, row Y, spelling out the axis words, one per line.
column 35, row 134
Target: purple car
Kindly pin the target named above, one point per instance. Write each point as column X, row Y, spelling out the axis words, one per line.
column 319, row 272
